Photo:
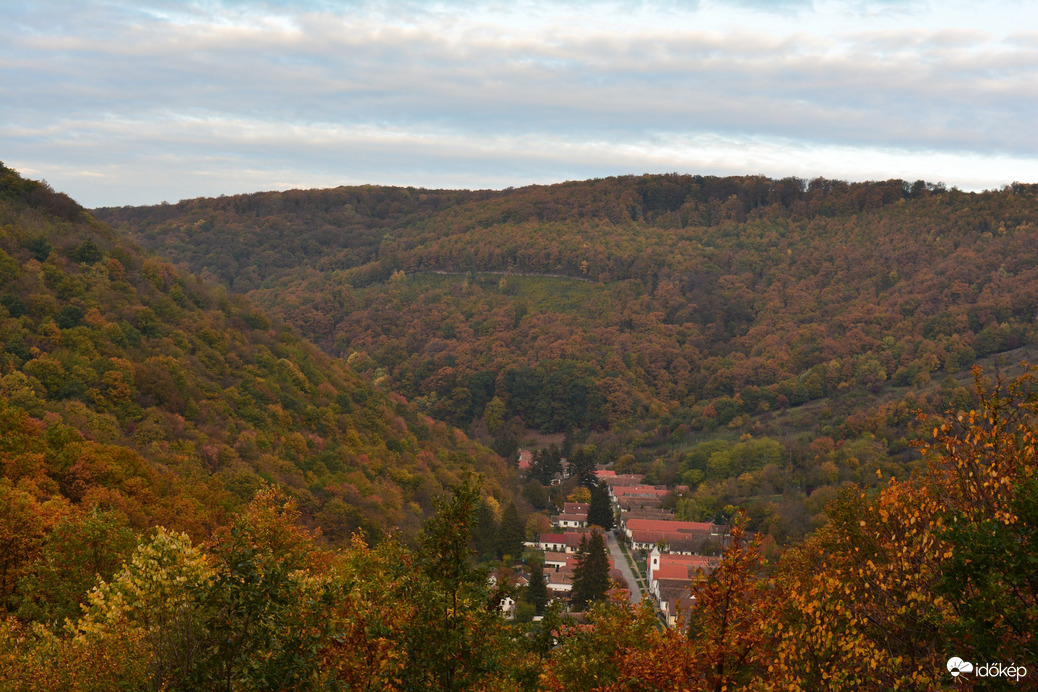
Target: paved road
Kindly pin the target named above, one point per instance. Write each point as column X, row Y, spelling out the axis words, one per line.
column 621, row 563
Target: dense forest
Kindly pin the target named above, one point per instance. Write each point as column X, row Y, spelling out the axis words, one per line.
column 659, row 319
column 129, row 384
column 195, row 497
column 897, row 583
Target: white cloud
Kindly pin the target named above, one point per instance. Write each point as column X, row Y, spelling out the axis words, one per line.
column 531, row 91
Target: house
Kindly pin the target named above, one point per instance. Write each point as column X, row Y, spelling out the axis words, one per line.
column 674, row 601
column 569, row 521
column 671, row 578
column 675, row 542
column 525, row 459
column 636, row 503
column 573, row 516
column 664, row 566
column 667, row 526
column 567, row 542
column 555, row 560
column 613, row 479
column 553, row 542
column 558, row 583
column 618, row 491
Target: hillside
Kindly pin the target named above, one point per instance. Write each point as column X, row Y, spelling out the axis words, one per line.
column 134, row 394
column 130, row 385
column 659, row 319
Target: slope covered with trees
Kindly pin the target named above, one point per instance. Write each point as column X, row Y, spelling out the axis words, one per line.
column 659, row 318
column 931, row 567
column 129, row 387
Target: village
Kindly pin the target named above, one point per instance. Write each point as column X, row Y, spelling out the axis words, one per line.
column 651, row 554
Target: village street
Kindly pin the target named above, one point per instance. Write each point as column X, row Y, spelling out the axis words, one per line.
column 620, row 562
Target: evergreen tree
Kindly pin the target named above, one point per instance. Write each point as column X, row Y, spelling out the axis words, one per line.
column 582, row 465
column 600, row 511
column 484, row 532
column 510, row 533
column 546, row 463
column 591, row 575
column 537, row 591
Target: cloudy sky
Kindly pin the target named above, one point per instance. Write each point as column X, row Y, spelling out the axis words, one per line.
column 141, row 101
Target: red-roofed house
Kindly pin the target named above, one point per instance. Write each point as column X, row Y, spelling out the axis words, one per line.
column 669, row 526
column 554, row 542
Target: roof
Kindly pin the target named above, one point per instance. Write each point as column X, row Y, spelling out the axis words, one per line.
column 668, row 525
column 622, row 480
column 638, row 491
column 674, row 541
column 629, row 502
column 689, row 561
column 672, row 571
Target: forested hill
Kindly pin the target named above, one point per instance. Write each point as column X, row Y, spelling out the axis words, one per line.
column 128, row 385
column 746, row 292
column 662, row 318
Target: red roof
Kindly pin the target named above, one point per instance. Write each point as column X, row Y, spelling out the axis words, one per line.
column 672, row 571
column 668, row 526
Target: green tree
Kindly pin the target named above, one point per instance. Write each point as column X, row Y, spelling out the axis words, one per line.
column 510, row 533
column 537, row 591
column 456, row 633
column 80, row 550
column 158, row 596
column 546, row 463
column 600, row 511
column 591, row 575
column 485, row 532
column 265, row 612
column 582, row 465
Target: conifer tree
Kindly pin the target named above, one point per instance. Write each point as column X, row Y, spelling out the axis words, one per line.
column 600, row 511
column 510, row 533
column 484, row 531
column 591, row 575
column 537, row 591
column 546, row 463
column 582, row 465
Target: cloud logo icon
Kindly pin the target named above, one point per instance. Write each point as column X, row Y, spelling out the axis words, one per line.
column 956, row 666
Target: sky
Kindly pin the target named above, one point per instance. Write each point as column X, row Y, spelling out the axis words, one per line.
column 119, row 102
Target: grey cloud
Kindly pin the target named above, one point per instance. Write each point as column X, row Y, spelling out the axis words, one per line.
column 190, row 80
